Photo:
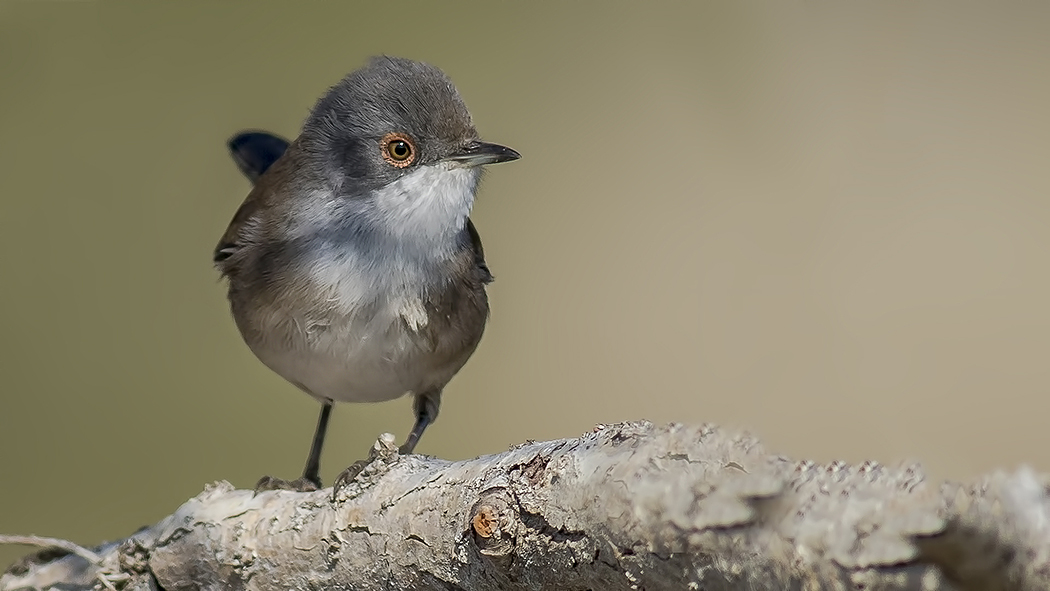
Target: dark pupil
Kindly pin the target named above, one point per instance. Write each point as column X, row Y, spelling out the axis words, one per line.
column 399, row 149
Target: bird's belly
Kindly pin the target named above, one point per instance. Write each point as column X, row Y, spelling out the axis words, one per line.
column 370, row 357
column 343, row 364
column 347, row 378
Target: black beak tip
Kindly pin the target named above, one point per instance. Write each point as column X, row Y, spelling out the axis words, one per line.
column 495, row 152
column 511, row 154
column 478, row 153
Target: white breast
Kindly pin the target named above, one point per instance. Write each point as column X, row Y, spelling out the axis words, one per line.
column 359, row 339
column 412, row 225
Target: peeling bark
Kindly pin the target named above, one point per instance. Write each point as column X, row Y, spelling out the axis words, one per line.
column 628, row 506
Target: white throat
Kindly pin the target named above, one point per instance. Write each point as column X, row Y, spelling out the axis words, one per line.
column 427, row 206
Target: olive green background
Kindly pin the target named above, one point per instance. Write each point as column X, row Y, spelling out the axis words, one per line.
column 825, row 222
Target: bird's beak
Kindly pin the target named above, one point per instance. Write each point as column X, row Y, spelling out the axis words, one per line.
column 477, row 153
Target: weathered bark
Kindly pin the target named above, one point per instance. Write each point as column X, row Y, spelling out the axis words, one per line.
column 628, row 506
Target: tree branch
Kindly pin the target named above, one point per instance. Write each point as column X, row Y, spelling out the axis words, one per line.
column 628, row 506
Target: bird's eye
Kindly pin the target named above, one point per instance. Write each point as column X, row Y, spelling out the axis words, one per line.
column 398, row 149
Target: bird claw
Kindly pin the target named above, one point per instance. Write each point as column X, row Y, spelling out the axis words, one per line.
column 383, row 454
column 347, row 476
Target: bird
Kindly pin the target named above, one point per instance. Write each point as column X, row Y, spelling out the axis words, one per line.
column 354, row 270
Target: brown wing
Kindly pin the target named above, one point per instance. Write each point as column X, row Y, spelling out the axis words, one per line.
column 253, row 152
column 479, row 252
column 228, row 245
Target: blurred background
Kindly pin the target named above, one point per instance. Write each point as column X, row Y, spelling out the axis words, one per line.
column 823, row 222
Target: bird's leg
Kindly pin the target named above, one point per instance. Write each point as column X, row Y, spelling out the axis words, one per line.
column 426, row 407
column 312, row 471
column 311, row 478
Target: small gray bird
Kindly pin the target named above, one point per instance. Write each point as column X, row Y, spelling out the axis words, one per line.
column 354, row 270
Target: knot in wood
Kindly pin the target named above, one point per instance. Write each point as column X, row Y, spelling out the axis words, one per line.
column 494, row 522
column 486, row 521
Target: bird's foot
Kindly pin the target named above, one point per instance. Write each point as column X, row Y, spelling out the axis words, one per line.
column 347, row 476
column 298, row 485
column 382, row 455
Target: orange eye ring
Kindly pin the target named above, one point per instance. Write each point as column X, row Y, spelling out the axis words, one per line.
column 397, row 149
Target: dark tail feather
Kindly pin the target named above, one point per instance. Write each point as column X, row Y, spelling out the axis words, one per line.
column 255, row 151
